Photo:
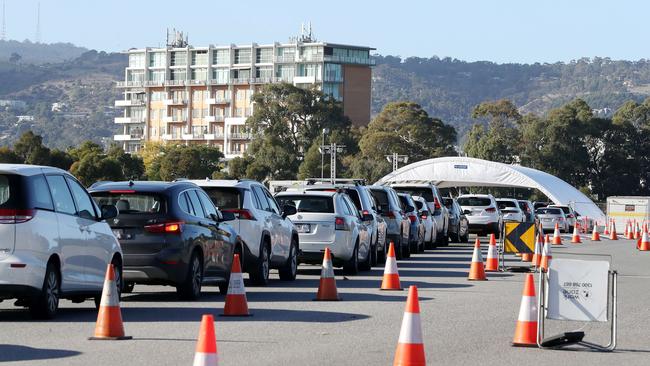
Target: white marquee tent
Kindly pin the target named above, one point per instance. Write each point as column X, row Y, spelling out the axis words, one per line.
column 470, row 172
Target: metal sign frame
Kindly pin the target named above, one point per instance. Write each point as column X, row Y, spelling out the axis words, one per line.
column 501, row 251
column 542, row 309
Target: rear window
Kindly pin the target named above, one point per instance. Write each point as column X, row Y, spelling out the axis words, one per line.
column 418, row 204
column 474, row 201
column 423, row 192
column 548, row 211
column 308, row 203
column 382, row 199
column 565, row 210
column 504, row 204
column 10, row 191
column 225, row 198
column 131, row 203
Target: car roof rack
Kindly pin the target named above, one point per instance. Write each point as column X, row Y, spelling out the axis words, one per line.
column 355, row 181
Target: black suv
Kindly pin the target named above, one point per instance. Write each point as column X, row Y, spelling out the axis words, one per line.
column 171, row 234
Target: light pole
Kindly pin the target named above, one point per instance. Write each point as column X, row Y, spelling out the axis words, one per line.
column 332, row 149
column 322, row 151
column 395, row 159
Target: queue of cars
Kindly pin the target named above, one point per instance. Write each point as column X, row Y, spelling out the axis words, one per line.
column 58, row 237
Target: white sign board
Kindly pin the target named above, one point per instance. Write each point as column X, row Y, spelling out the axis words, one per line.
column 577, row 290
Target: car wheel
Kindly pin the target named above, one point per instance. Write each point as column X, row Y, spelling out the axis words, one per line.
column 374, row 251
column 46, row 304
column 465, row 237
column 406, row 250
column 260, row 274
column 352, row 265
column 190, row 289
column 290, row 269
column 366, row 265
column 381, row 257
column 445, row 240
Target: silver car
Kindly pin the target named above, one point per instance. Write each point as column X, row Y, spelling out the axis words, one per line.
column 549, row 216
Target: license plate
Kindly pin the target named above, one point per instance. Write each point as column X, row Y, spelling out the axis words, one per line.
column 303, row 228
column 547, row 220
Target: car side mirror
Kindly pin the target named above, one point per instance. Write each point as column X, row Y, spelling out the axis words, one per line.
column 227, row 216
column 467, row 212
column 288, row 210
column 368, row 217
column 109, row 212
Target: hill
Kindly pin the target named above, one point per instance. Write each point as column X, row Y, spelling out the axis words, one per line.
column 39, row 53
column 449, row 88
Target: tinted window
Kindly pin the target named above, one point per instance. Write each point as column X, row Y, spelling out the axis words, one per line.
column 85, row 206
column 423, row 192
column 272, row 203
column 196, row 203
column 354, row 196
column 565, row 210
column 474, row 201
column 549, row 211
column 208, row 206
column 306, row 203
column 39, row 190
column 382, row 199
column 259, row 193
column 351, row 207
column 131, row 203
column 61, row 194
column 184, row 204
column 226, row 198
column 503, row 204
column 418, row 205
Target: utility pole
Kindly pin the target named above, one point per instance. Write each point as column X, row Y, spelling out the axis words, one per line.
column 322, row 153
column 332, row 149
column 395, row 159
column 3, row 33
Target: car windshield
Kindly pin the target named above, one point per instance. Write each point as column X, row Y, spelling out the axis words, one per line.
column 225, row 198
column 305, row 203
column 548, row 211
column 131, row 203
column 423, row 192
column 474, row 201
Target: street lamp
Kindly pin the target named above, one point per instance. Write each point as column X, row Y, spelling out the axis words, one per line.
column 395, row 159
column 322, row 151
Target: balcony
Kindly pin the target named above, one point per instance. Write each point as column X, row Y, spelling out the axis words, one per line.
column 350, row 60
column 130, row 84
column 218, row 82
column 285, row 59
column 218, row 100
column 174, row 82
column 214, row 136
column 130, row 103
column 197, row 82
column 175, row 101
column 129, row 137
column 267, row 80
column 239, row 136
column 220, row 118
column 240, row 81
column 174, row 119
column 311, row 58
column 154, row 83
column 122, row 120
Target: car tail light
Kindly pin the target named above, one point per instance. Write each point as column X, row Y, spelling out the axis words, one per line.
column 339, row 223
column 173, row 227
column 491, row 210
column 14, row 216
column 570, row 216
column 436, row 203
column 122, row 191
column 413, row 218
column 390, row 215
column 365, row 212
column 423, row 216
column 242, row 214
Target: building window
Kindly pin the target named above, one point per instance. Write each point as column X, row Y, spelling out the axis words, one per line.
column 221, row 75
column 286, row 72
column 179, row 58
column 157, row 96
column 200, row 57
column 157, row 59
column 286, row 53
column 200, row 74
column 136, row 60
column 154, row 114
column 157, row 75
column 221, row 57
column 135, row 75
column 153, row 132
column 311, row 53
column 137, row 113
column 264, row 55
column 264, row 72
column 179, row 74
column 243, row 56
column 333, row 90
column 199, row 112
column 242, row 75
column 333, row 73
column 310, row 70
column 242, row 94
column 199, row 95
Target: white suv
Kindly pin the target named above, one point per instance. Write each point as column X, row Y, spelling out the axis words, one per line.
column 270, row 239
column 55, row 242
column 482, row 213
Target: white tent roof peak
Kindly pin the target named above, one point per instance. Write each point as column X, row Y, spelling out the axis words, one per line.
column 472, row 172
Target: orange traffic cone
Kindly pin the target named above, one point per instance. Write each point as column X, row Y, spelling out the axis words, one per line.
column 410, row 348
column 644, row 245
column 557, row 239
column 477, row 268
column 391, row 275
column 595, row 236
column 109, row 324
column 575, row 239
column 527, row 257
column 637, row 232
column 327, row 287
column 236, row 303
column 492, row 262
column 613, row 235
column 537, row 256
column 526, row 329
column 206, row 347
column 607, row 226
column 546, row 258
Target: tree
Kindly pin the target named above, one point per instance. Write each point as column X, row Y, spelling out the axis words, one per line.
column 131, row 165
column 405, row 128
column 8, row 156
column 15, row 58
column 500, row 142
column 30, row 149
column 60, row 159
column 94, row 167
column 192, row 162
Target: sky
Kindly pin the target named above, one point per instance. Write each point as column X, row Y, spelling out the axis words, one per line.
column 502, row 31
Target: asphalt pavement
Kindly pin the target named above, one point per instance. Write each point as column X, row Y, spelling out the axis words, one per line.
column 464, row 322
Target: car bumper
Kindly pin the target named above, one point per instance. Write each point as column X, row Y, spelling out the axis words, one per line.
column 164, row 267
column 312, row 252
column 16, row 280
column 491, row 228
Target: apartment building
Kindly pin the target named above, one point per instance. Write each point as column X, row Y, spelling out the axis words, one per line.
column 202, row 95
